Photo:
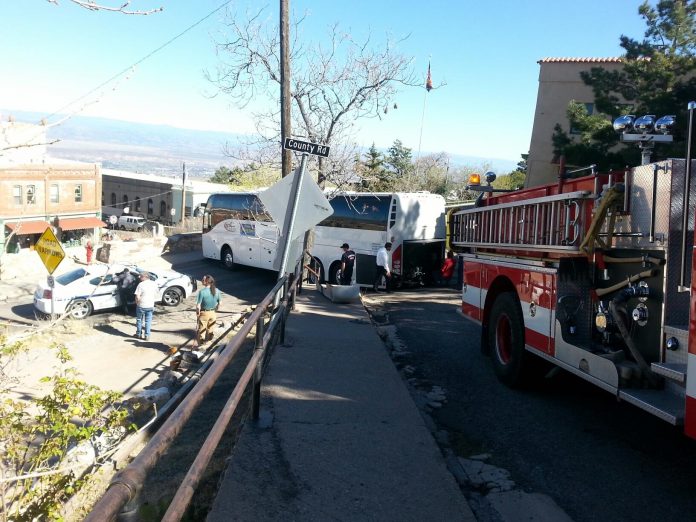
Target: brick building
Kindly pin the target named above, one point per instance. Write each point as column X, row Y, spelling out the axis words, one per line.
column 33, row 197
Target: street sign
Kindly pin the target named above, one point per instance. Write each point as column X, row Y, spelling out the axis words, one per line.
column 113, row 220
column 51, row 281
column 49, row 250
column 307, row 147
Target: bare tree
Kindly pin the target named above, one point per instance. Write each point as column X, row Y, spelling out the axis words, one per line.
column 333, row 84
column 122, row 7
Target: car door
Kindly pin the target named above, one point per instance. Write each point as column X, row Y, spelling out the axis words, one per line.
column 104, row 295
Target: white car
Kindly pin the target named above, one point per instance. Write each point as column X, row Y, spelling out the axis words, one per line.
column 84, row 290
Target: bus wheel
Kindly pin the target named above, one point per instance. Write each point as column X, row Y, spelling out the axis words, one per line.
column 506, row 341
column 315, row 265
column 228, row 258
column 335, row 274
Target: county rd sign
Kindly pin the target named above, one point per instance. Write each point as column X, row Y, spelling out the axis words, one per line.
column 49, row 250
column 306, row 147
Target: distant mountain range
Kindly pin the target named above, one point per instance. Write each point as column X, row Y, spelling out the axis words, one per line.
column 161, row 149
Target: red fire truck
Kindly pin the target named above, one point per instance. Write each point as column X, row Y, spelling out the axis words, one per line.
column 594, row 275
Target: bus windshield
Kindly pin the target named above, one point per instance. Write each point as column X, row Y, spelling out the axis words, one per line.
column 360, row 212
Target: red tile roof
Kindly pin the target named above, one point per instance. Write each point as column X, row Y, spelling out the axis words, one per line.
column 615, row 59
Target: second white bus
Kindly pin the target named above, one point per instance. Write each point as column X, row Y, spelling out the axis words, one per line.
column 237, row 230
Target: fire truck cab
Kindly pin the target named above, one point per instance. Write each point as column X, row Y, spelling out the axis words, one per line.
column 593, row 275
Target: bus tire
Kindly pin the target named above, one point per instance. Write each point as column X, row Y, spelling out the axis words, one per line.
column 317, row 267
column 227, row 258
column 335, row 274
column 511, row 362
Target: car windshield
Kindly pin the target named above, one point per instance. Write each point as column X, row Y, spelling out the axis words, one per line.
column 153, row 277
column 69, row 277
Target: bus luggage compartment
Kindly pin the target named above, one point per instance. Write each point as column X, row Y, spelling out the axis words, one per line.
column 413, row 263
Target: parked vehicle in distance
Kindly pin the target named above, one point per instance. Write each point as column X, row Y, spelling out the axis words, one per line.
column 131, row 223
column 87, row 289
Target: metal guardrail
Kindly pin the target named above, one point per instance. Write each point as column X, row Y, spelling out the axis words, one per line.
column 126, row 485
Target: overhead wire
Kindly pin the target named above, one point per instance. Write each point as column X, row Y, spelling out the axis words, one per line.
column 141, row 60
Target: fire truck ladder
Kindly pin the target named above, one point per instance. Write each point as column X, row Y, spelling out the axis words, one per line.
column 549, row 223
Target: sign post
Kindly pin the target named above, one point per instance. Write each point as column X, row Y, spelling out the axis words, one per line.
column 282, row 201
column 52, row 254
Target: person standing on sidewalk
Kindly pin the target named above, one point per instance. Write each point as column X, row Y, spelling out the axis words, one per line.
column 88, row 252
column 207, row 303
column 382, row 268
column 145, row 297
column 347, row 263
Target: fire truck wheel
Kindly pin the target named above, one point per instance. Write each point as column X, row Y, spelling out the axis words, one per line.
column 506, row 340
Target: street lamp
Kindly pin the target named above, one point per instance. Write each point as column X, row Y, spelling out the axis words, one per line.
column 645, row 131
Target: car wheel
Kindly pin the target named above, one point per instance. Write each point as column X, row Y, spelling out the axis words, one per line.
column 228, row 258
column 122, row 227
column 172, row 296
column 140, row 229
column 80, row 309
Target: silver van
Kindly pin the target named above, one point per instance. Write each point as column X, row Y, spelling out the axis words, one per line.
column 131, row 223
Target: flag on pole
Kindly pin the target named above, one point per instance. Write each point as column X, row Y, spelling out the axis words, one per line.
column 428, row 81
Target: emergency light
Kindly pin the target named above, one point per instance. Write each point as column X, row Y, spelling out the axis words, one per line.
column 474, row 179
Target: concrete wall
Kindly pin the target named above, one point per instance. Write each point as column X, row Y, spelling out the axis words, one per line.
column 559, row 83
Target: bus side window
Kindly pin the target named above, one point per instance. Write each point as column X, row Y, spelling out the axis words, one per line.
column 392, row 215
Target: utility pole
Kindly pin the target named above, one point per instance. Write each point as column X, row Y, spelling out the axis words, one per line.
column 285, row 128
column 183, row 194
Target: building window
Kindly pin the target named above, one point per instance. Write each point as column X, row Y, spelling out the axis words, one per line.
column 54, row 194
column 150, row 207
column 31, row 194
column 113, row 199
column 17, row 194
column 163, row 209
column 102, row 198
column 78, row 193
column 125, row 200
column 137, row 203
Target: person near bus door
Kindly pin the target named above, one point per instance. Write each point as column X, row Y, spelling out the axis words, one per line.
column 347, row 263
column 382, row 268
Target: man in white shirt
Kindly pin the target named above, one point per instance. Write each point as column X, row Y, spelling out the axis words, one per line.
column 382, row 268
column 145, row 297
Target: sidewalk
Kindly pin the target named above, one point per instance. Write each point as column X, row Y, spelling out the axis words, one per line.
column 339, row 437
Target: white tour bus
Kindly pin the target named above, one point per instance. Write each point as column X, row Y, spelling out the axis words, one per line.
column 236, row 229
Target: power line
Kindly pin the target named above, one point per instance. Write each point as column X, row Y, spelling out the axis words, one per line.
column 141, row 60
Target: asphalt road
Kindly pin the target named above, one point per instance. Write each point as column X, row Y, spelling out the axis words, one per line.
column 597, row 458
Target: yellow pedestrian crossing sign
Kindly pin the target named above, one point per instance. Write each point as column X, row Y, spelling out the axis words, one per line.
column 49, row 250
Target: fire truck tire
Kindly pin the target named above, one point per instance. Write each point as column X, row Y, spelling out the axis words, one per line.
column 511, row 362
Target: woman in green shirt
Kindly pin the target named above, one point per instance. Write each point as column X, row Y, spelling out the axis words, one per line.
column 207, row 303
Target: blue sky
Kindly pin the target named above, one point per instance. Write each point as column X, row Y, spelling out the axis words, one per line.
column 485, row 51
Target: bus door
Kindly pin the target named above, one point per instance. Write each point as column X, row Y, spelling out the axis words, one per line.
column 268, row 244
column 365, row 269
column 249, row 248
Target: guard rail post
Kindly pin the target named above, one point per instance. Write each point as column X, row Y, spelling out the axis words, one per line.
column 256, row 388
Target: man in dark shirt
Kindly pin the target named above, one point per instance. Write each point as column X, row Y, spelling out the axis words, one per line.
column 347, row 262
column 126, row 282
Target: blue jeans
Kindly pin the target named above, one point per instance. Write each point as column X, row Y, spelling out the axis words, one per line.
column 140, row 315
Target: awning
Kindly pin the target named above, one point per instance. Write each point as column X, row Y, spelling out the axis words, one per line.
column 80, row 223
column 28, row 227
